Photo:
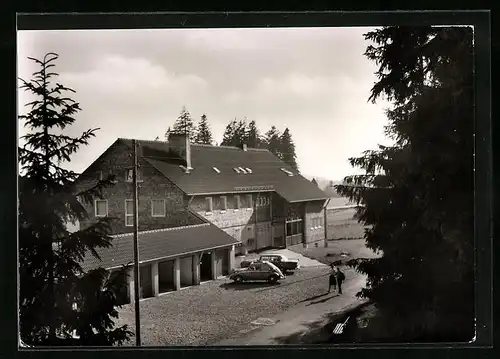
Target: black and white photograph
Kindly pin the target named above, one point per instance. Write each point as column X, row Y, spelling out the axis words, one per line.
column 246, row 186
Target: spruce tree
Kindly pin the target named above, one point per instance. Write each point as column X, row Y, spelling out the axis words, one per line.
column 52, row 280
column 204, row 135
column 240, row 133
column 417, row 196
column 272, row 141
column 229, row 134
column 184, row 124
column 287, row 149
column 253, row 137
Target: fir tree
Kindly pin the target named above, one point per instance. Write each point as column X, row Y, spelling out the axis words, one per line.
column 253, row 137
column 51, row 277
column 240, row 134
column 229, row 134
column 184, row 124
column 417, row 196
column 273, row 142
column 204, row 135
column 287, row 149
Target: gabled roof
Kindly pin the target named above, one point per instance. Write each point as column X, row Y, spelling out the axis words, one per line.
column 159, row 244
column 266, row 171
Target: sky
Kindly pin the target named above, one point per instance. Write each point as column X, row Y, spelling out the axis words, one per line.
column 134, row 83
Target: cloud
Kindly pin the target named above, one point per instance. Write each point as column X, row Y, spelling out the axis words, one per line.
column 134, row 79
column 134, row 83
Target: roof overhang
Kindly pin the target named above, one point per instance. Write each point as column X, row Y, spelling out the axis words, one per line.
column 179, row 255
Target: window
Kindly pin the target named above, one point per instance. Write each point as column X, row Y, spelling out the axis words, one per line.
column 236, row 170
column 209, row 204
column 158, row 207
column 299, row 227
column 237, row 200
column 216, row 169
column 223, row 203
column 129, row 212
column 101, row 208
column 129, row 175
column 242, row 170
column 294, row 227
column 250, row 201
column 248, row 170
column 287, row 171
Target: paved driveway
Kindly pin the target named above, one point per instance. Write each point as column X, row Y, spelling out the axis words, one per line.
column 296, row 322
column 220, row 309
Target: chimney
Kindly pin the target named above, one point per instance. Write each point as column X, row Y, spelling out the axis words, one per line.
column 245, row 147
column 179, row 143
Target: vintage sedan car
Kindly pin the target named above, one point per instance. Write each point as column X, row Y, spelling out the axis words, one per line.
column 279, row 260
column 257, row 271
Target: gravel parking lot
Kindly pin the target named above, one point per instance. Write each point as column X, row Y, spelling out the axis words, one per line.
column 220, row 309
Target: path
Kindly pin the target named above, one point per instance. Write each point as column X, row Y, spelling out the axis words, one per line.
column 298, row 319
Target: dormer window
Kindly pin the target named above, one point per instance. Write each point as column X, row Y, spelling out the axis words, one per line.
column 216, row 169
column 248, row 170
column 237, row 170
column 287, row 171
column 242, row 170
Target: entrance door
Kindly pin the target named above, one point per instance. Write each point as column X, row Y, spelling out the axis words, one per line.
column 206, row 266
column 145, row 281
column 225, row 262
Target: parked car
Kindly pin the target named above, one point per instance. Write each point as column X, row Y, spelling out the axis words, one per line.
column 279, row 260
column 257, row 271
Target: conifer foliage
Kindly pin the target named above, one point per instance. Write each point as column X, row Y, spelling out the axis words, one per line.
column 184, row 124
column 273, row 142
column 57, row 298
column 204, row 135
column 417, row 196
column 254, row 139
column 287, row 149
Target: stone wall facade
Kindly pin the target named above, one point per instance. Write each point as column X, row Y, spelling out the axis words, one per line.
column 117, row 160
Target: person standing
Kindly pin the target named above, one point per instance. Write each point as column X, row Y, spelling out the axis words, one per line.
column 332, row 279
column 340, row 277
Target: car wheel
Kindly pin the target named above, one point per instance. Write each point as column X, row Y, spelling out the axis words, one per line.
column 272, row 278
column 238, row 279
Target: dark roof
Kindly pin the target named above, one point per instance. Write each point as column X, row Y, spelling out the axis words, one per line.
column 203, row 179
column 158, row 244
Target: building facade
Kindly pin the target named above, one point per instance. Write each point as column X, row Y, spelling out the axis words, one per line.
column 245, row 199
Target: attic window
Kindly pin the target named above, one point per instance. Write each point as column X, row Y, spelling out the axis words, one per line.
column 287, row 171
column 242, row 170
column 216, row 169
column 248, row 170
column 236, row 170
